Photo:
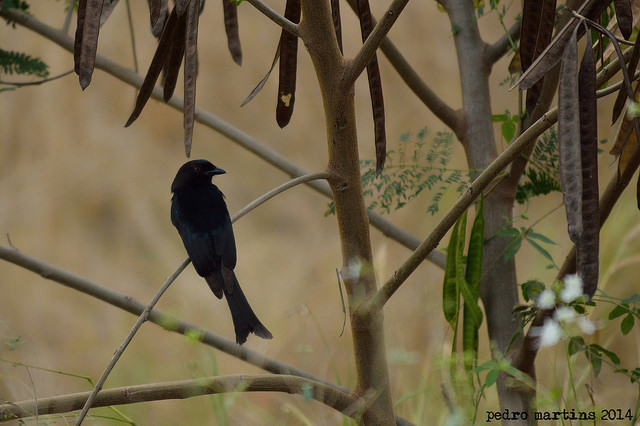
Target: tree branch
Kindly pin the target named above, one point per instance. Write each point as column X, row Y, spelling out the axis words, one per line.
column 182, row 389
column 164, row 320
column 276, row 17
column 280, row 189
column 216, row 123
column 497, row 50
column 371, row 44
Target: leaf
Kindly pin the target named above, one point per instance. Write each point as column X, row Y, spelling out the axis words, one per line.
column 627, row 324
column 472, row 315
column 537, row 236
column 541, row 250
column 576, row 344
column 596, row 365
column 190, row 72
column 231, row 28
column 618, row 311
column 624, row 16
column 531, row 289
column 288, row 66
column 587, row 248
column 375, row 87
column 513, row 246
column 450, row 291
column 157, row 63
column 492, row 377
column 611, row 355
column 473, row 272
column 569, row 138
column 508, row 129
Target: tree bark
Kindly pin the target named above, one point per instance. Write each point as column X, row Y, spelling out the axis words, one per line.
column 353, row 225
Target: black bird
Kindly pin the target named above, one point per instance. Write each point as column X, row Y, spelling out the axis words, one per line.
column 200, row 214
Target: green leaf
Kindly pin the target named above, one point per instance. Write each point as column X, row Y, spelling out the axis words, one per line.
column 576, row 344
column 531, row 289
column 540, row 250
column 472, row 315
column 540, row 237
column 476, row 248
column 513, row 246
column 22, row 64
column 450, row 291
column 492, row 377
column 596, row 365
column 627, row 324
column 508, row 129
column 618, row 311
column 611, row 355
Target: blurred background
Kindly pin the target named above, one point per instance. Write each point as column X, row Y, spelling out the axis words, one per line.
column 81, row 192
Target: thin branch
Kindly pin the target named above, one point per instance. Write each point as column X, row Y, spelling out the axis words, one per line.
column 184, row 389
column 144, row 316
column 450, row 117
column 216, row 123
column 479, row 184
column 269, row 195
column 164, row 320
column 371, row 44
column 36, row 83
column 276, row 17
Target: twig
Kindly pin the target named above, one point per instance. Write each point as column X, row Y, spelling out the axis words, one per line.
column 36, row 83
column 144, row 316
column 504, row 44
column 269, row 195
column 183, row 389
column 164, row 320
column 371, row 44
column 276, row 17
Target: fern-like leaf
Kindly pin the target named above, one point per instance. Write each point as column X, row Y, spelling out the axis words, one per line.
column 22, row 64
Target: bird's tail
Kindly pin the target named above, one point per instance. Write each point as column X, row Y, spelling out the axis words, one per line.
column 245, row 320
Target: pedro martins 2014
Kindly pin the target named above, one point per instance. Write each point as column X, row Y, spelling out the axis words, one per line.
column 540, row 415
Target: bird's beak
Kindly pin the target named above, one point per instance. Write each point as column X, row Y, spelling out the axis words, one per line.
column 216, row 171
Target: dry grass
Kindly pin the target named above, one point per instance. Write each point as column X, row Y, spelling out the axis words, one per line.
column 80, row 191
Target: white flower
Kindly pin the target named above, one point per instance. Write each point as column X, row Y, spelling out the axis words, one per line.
column 565, row 314
column 572, row 288
column 586, row 325
column 549, row 333
column 546, row 299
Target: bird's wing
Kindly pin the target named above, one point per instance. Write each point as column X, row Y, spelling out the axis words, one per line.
column 197, row 243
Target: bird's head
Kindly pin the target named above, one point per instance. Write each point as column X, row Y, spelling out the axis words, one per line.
column 195, row 172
